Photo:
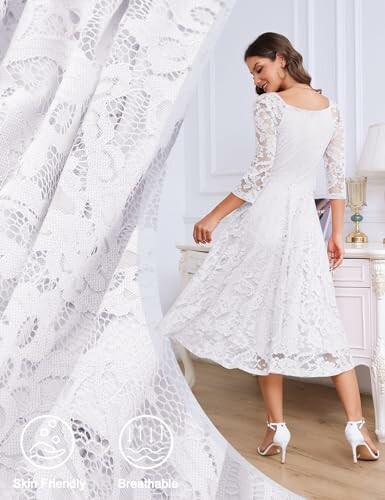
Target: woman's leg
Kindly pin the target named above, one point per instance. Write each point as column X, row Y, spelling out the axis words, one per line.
column 272, row 392
column 349, row 393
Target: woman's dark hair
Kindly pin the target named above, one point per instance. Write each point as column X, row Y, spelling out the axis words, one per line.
column 268, row 45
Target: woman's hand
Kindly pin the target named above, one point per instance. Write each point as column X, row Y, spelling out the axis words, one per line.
column 335, row 251
column 204, row 227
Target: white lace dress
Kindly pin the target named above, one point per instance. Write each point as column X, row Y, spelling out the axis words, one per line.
column 263, row 300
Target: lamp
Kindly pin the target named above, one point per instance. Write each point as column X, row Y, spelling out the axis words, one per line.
column 372, row 159
column 356, row 199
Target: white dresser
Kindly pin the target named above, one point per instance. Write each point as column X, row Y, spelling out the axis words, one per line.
column 360, row 292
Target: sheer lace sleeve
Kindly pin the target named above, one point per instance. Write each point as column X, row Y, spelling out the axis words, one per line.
column 334, row 159
column 268, row 114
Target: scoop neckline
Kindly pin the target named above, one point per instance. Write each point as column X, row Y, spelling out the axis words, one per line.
column 297, row 107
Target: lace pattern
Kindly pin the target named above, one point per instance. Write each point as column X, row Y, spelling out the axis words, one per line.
column 268, row 113
column 263, row 299
column 334, row 158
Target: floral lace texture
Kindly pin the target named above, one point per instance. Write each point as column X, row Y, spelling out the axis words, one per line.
column 263, row 299
column 334, row 158
column 267, row 114
column 92, row 95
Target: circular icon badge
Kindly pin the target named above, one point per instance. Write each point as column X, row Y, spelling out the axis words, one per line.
column 146, row 441
column 47, row 442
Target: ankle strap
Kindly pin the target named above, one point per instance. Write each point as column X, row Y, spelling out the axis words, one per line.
column 273, row 424
column 360, row 422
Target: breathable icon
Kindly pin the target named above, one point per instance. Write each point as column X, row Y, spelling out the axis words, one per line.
column 47, row 442
column 146, row 441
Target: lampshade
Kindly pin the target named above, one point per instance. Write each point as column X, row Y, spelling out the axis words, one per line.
column 372, row 159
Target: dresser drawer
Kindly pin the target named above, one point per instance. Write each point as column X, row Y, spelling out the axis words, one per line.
column 352, row 272
column 354, row 307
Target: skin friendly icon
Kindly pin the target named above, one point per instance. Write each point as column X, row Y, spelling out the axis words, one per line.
column 47, row 442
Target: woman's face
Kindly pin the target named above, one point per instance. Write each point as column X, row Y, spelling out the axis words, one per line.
column 266, row 72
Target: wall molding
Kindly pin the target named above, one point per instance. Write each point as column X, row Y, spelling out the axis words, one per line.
column 358, row 77
column 296, row 20
column 341, row 42
column 206, row 123
column 310, row 38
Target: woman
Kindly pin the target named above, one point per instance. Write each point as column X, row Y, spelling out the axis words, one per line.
column 263, row 299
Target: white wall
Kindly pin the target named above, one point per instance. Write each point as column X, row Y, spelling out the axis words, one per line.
column 341, row 42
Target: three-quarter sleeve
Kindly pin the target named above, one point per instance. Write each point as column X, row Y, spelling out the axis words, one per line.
column 334, row 159
column 259, row 172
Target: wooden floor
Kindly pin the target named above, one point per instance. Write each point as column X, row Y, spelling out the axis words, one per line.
column 319, row 462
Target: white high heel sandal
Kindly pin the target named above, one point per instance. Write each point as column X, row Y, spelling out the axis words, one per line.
column 281, row 438
column 356, row 438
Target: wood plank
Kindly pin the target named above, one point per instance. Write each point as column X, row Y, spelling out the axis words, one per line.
column 319, row 462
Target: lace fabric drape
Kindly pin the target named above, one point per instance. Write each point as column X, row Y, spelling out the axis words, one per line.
column 92, row 98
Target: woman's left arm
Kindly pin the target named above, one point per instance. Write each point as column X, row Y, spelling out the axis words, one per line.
column 335, row 169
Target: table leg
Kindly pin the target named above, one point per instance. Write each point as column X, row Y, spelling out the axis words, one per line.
column 377, row 370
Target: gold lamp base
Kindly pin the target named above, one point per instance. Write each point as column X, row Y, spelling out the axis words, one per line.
column 357, row 236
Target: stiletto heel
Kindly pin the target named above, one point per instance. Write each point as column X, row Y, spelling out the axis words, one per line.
column 356, row 438
column 283, row 458
column 281, row 438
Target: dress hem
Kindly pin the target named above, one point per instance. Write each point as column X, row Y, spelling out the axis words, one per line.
column 255, row 372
